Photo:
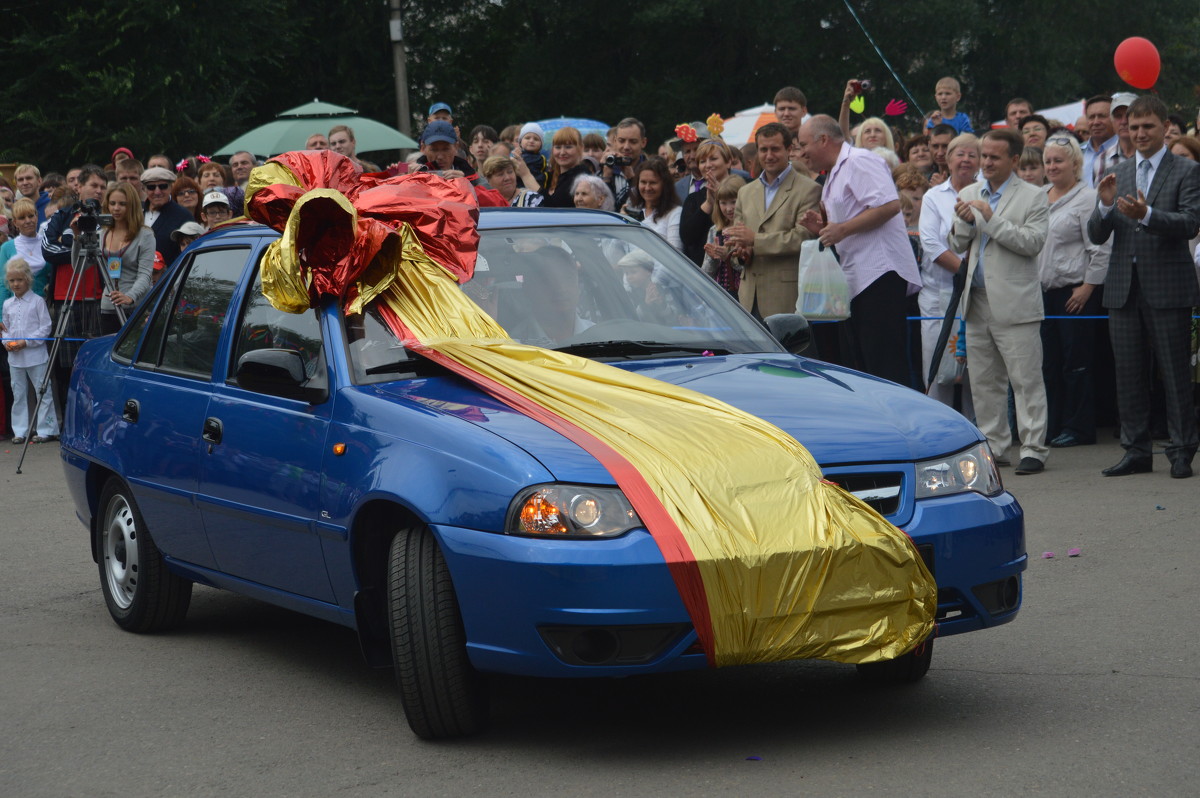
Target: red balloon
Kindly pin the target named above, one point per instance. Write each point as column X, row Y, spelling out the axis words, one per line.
column 1137, row 62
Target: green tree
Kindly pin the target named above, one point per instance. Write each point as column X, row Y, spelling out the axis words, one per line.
column 179, row 76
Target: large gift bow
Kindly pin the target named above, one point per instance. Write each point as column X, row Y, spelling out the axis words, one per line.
column 772, row 562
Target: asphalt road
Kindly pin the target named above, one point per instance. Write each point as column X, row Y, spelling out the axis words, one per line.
column 1093, row 691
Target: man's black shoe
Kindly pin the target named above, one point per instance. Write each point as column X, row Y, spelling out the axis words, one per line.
column 1070, row 439
column 1181, row 469
column 1030, row 465
column 1130, row 464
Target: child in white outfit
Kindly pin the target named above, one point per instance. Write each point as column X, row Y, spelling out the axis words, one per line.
column 26, row 325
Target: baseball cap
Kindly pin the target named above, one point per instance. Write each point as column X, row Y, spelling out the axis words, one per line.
column 128, row 153
column 1123, row 99
column 439, row 130
column 433, row 109
column 156, row 174
column 215, row 198
column 188, row 229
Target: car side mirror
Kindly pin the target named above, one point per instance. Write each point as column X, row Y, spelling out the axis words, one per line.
column 278, row 372
column 791, row 330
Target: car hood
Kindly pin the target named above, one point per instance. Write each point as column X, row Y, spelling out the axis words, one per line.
column 840, row 416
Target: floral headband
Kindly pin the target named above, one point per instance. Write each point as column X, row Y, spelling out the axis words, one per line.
column 179, row 167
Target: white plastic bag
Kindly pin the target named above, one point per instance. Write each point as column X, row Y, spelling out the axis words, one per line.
column 822, row 292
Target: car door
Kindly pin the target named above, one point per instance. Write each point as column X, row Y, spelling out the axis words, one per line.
column 166, row 395
column 261, row 476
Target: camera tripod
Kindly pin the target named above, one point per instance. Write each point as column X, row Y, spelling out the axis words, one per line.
column 88, row 256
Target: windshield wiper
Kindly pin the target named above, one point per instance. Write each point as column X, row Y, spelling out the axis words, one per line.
column 636, row 348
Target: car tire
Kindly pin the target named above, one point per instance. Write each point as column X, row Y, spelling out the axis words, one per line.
column 141, row 593
column 905, row 669
column 442, row 693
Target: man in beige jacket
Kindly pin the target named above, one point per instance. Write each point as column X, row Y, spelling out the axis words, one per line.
column 1004, row 221
column 765, row 225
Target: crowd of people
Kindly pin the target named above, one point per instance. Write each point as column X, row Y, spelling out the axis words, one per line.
column 1028, row 231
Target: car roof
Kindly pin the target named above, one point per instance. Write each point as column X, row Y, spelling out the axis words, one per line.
column 506, row 218
column 489, row 219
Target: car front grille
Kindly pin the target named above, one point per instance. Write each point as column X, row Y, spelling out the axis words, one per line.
column 880, row 490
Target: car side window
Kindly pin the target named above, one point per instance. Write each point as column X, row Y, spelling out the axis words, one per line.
column 125, row 347
column 184, row 335
column 264, row 327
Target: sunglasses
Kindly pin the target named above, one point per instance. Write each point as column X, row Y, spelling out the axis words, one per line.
column 1061, row 141
column 157, row 186
column 183, row 191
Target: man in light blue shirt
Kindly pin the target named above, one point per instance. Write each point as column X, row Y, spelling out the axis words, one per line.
column 1101, row 135
column 765, row 226
column 1002, row 223
column 993, row 199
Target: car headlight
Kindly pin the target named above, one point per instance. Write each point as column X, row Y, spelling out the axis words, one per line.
column 972, row 469
column 571, row 511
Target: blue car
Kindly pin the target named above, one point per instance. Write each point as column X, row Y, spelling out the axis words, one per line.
column 311, row 461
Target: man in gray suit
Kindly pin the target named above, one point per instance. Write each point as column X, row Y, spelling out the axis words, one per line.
column 1004, row 222
column 1151, row 285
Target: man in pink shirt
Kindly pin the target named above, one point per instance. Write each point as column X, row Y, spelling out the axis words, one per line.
column 861, row 219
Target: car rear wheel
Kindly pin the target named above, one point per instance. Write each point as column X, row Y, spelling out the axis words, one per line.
column 905, row 669
column 141, row 594
column 442, row 694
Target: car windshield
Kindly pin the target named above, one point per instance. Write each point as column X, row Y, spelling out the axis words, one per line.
column 609, row 292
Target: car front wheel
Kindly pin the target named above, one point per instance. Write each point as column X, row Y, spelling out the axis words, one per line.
column 905, row 669
column 442, row 693
column 141, row 594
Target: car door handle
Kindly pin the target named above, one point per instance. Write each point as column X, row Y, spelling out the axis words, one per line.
column 212, row 430
column 132, row 410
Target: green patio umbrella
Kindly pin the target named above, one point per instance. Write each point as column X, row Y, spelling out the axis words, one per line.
column 291, row 130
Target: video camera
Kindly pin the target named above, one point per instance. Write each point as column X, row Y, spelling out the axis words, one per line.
column 90, row 219
column 617, row 162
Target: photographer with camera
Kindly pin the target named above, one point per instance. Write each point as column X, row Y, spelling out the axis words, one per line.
column 620, row 166
column 58, row 238
column 59, row 233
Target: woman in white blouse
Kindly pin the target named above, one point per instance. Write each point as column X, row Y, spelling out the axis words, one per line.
column 657, row 190
column 939, row 263
column 1070, row 268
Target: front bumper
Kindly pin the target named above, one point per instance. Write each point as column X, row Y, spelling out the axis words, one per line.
column 523, row 599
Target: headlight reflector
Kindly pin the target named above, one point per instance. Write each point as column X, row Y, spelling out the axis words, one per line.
column 571, row 511
column 972, row 469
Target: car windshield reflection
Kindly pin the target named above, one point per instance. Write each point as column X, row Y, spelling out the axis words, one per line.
column 605, row 292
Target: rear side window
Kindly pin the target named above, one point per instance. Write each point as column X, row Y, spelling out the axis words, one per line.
column 123, row 351
column 184, row 334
